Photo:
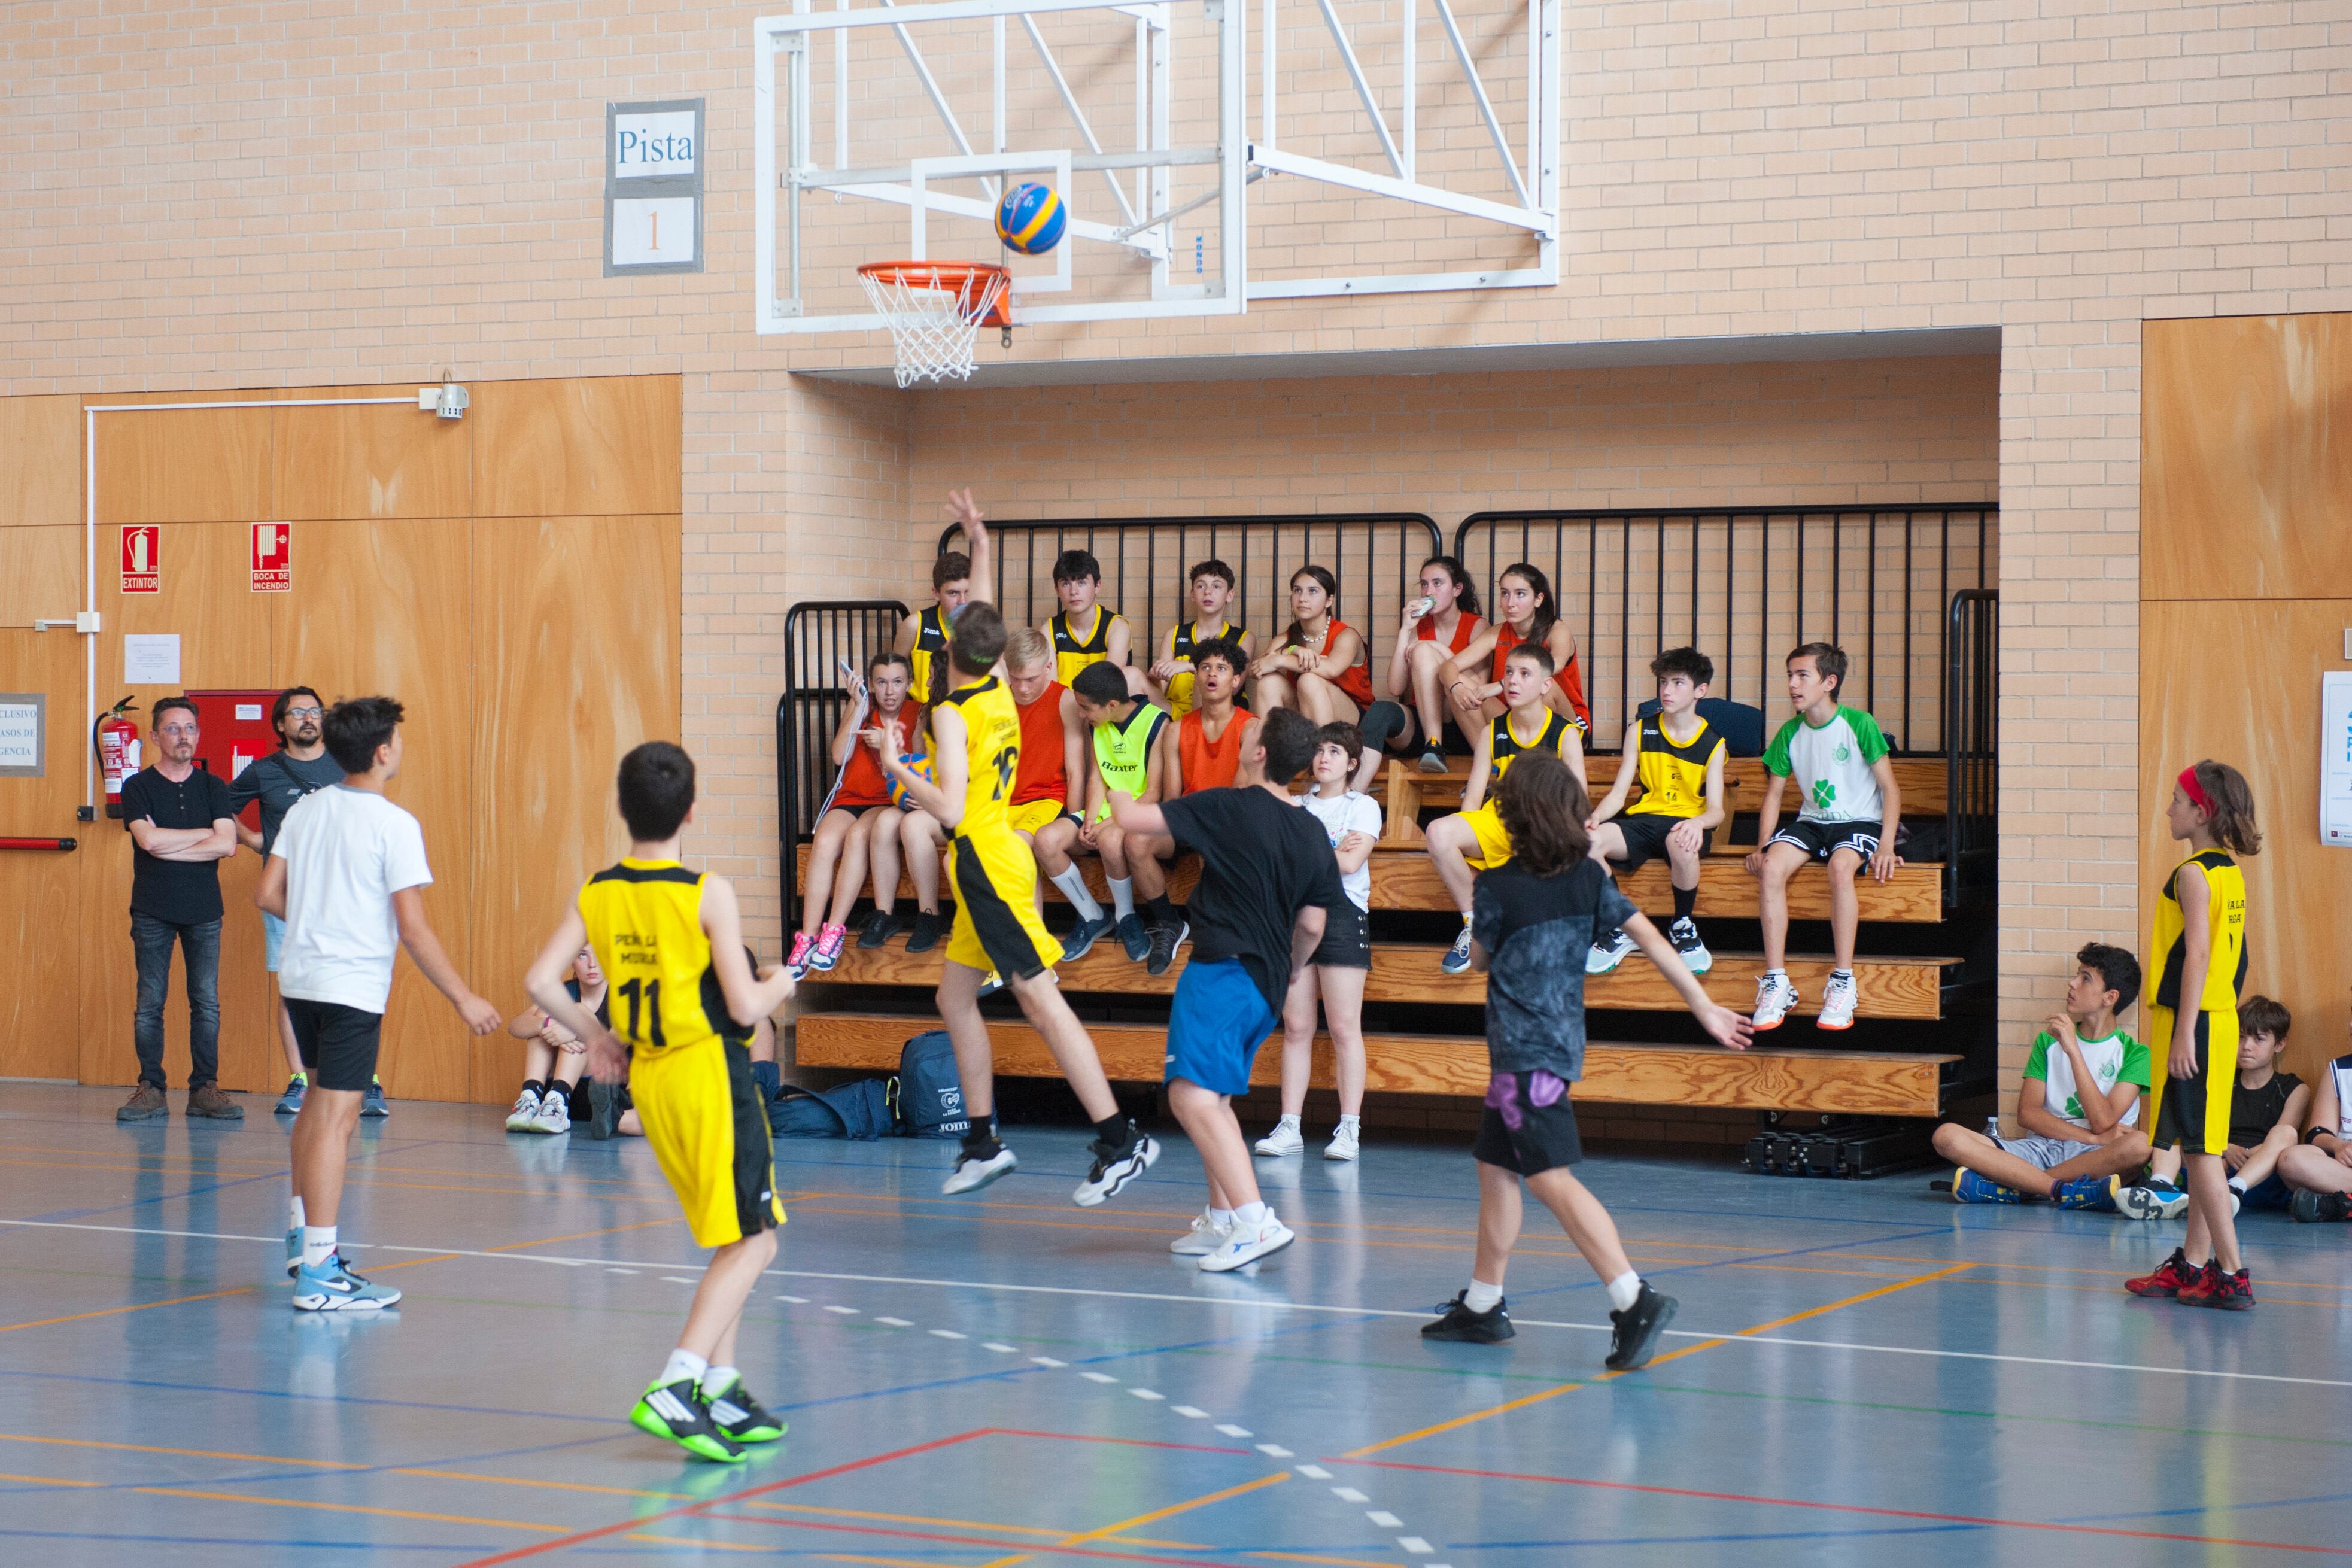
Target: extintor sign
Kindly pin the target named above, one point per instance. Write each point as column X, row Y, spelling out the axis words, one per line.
column 273, row 557
column 143, row 571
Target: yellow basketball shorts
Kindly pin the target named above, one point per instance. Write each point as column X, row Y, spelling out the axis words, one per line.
column 1028, row 816
column 703, row 1115
column 2193, row 1112
column 1494, row 838
column 996, row 924
column 1180, row 695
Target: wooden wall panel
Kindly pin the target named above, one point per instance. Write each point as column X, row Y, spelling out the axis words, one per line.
column 186, row 466
column 2246, row 482
column 575, row 635
column 40, row 891
column 382, row 461
column 586, row 447
column 40, row 461
column 2258, row 709
column 40, row 578
column 384, row 611
column 225, row 633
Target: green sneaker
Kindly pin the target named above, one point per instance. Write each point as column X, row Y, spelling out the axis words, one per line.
column 678, row 1410
column 741, row 1416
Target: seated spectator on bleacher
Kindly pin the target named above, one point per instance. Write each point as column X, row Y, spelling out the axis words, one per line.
column 2318, row 1172
column 554, row 1059
column 1106, row 638
column 1049, row 788
column 1525, row 612
column 1677, row 759
column 1318, row 664
column 1437, row 627
column 1171, row 677
column 2079, row 1102
column 2266, row 1112
column 858, row 812
column 1208, row 746
column 1131, row 746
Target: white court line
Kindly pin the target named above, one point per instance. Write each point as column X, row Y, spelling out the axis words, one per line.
column 1259, row 1304
column 1349, row 1494
column 1382, row 1517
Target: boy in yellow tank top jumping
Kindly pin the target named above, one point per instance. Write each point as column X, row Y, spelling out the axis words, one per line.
column 683, row 994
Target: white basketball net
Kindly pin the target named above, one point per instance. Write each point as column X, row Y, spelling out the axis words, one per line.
column 934, row 318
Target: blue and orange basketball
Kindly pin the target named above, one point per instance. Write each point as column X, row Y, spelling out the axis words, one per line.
column 920, row 764
column 1031, row 219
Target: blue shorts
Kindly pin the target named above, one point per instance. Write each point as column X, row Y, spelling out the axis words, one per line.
column 2270, row 1193
column 273, row 937
column 1217, row 1026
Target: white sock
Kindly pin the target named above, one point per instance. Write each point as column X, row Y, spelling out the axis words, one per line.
column 1122, row 895
column 318, row 1245
column 683, row 1364
column 1250, row 1216
column 1291, row 1123
column 2238, row 1186
column 1776, row 973
column 1351, row 1122
column 1481, row 1297
column 294, row 1215
column 719, row 1380
column 1624, row 1290
column 1221, row 1218
column 1072, row 883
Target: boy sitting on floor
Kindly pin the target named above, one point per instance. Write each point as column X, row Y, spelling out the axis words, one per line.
column 2265, row 1121
column 2079, row 1102
column 2318, row 1171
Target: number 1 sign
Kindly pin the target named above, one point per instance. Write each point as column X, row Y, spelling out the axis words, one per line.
column 653, row 187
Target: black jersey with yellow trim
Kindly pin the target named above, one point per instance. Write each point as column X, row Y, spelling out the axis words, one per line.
column 928, row 652
column 1502, row 745
column 1072, row 653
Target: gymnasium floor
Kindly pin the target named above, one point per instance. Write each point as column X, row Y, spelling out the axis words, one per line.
column 1006, row 1379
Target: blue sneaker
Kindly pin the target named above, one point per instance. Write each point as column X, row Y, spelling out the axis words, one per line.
column 290, row 1102
column 2086, row 1192
column 294, row 1252
column 1082, row 938
column 1134, row 936
column 1967, row 1187
column 332, row 1287
column 372, row 1102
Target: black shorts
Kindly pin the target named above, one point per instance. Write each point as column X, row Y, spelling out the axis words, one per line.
column 1823, row 839
column 1347, row 939
column 2186, row 1113
column 1645, row 838
column 1519, row 1134
column 338, row 1043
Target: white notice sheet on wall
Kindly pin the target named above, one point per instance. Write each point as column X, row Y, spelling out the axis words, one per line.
column 151, row 660
column 2335, row 757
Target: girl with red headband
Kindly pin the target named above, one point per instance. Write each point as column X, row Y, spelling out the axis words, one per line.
column 2199, row 946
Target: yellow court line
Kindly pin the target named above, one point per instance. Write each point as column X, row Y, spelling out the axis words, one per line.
column 118, row 1311
column 186, row 1453
column 1143, row 1518
column 1305, row 1557
column 1522, row 1403
column 881, row 1561
column 49, row 1480
column 355, row 1508
column 954, row 1523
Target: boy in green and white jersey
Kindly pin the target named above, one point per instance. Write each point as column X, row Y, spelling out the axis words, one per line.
column 2079, row 1103
column 1130, row 745
column 1848, row 807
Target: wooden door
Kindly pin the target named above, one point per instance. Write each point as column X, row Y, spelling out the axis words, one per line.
column 40, row 891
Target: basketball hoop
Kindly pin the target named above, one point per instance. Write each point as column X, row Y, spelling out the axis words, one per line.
column 936, row 309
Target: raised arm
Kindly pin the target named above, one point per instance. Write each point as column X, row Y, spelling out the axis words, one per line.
column 961, row 507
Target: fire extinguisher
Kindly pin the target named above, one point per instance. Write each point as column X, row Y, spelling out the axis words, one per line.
column 116, row 741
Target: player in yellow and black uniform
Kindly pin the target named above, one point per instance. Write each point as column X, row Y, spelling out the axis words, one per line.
column 1474, row 838
column 2198, row 941
column 1677, row 759
column 975, row 757
column 1104, row 639
column 684, row 1000
column 957, row 577
column 1169, row 679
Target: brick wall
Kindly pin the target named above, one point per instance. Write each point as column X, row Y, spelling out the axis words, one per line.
column 279, row 193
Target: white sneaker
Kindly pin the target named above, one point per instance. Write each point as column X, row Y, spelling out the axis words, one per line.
column 1696, row 958
column 1608, row 953
column 1205, row 1237
column 1247, row 1244
column 554, row 1113
column 1837, row 1003
column 526, row 1107
column 1343, row 1140
column 971, row 1171
column 1284, row 1140
column 1774, row 996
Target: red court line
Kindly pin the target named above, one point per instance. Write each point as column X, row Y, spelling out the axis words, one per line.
column 1852, row 1508
column 1091, row 1549
column 543, row 1547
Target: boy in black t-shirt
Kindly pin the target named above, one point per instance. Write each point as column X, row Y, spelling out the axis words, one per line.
column 1531, row 923
column 1268, row 878
column 2266, row 1112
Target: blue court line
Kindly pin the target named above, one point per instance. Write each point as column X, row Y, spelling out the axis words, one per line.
column 1683, row 1540
column 61, row 1216
column 2206, row 1508
column 281, row 1393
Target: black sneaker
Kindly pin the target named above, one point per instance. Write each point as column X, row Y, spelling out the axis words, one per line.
column 604, row 1108
column 1683, row 934
column 1433, row 760
column 878, row 929
column 1633, row 1337
column 2319, row 1208
column 1165, row 944
column 1469, row 1327
column 925, row 934
column 1134, row 936
column 734, row 1412
column 1115, row 1167
column 677, row 1412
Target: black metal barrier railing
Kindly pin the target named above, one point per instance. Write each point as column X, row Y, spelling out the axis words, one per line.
column 1744, row 585
column 1972, row 730
column 820, row 636
column 1374, row 557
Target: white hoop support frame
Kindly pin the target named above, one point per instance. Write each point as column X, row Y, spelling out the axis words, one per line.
column 935, row 311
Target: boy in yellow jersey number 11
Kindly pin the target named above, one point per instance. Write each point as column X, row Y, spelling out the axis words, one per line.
column 976, row 755
column 683, row 995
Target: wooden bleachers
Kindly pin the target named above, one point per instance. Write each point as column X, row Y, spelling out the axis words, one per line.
column 1406, row 793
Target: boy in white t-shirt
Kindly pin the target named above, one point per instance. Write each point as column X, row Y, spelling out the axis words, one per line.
column 1338, row 968
column 2079, row 1102
column 346, row 874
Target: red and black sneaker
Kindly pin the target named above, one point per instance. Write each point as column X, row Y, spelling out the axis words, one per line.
column 2213, row 1287
column 2176, row 1274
